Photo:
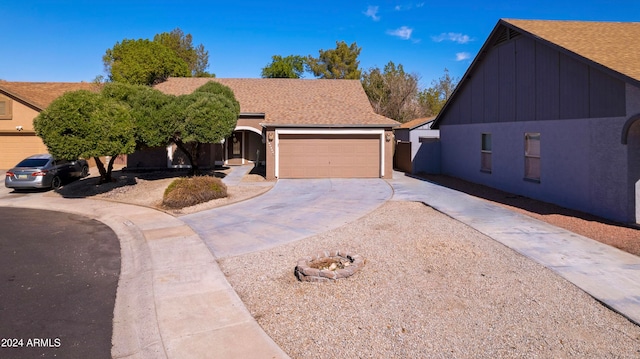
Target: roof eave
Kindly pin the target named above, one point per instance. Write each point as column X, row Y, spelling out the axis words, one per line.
column 21, row 99
column 483, row 50
column 479, row 56
column 573, row 55
column 298, row 125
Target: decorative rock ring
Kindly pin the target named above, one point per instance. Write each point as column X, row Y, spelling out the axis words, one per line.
column 327, row 266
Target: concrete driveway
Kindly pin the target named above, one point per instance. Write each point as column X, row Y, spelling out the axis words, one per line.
column 292, row 210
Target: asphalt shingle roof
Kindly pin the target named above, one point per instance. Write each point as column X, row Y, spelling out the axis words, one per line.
column 41, row 94
column 417, row 122
column 615, row 45
column 294, row 101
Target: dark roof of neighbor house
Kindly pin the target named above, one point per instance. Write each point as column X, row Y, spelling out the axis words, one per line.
column 615, row 45
column 39, row 95
column 417, row 122
column 612, row 45
column 295, row 102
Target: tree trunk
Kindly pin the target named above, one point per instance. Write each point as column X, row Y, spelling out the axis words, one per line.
column 105, row 174
column 183, row 147
column 102, row 170
column 195, row 157
column 110, row 168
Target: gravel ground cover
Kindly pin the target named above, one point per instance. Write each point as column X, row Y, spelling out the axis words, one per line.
column 431, row 287
column 147, row 189
column 614, row 234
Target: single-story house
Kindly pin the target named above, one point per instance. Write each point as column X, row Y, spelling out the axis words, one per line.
column 297, row 128
column 20, row 103
column 551, row 110
column 417, row 146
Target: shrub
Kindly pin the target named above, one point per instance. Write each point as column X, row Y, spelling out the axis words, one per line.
column 185, row 192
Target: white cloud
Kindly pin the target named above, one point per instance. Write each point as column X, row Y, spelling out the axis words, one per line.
column 452, row 36
column 408, row 6
column 372, row 12
column 461, row 56
column 403, row 32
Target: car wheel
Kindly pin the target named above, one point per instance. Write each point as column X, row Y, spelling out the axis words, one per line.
column 85, row 171
column 56, row 182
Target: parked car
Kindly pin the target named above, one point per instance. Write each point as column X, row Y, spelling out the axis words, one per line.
column 44, row 171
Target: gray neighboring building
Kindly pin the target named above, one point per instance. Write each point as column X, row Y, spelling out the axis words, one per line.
column 551, row 110
column 417, row 146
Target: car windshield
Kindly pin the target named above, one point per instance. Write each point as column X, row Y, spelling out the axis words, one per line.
column 33, row 162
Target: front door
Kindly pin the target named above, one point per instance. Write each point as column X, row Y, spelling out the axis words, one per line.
column 235, row 148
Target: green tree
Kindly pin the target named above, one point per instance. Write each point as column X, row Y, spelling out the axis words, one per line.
column 392, row 92
column 197, row 58
column 208, row 115
column 339, row 63
column 86, row 124
column 433, row 98
column 146, row 105
column 216, row 88
column 291, row 67
column 142, row 62
column 201, row 118
column 202, row 63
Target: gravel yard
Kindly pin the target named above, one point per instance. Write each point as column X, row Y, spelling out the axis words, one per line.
column 431, row 287
column 614, row 234
column 147, row 189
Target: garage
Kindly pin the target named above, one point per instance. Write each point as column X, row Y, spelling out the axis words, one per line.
column 329, row 155
column 16, row 147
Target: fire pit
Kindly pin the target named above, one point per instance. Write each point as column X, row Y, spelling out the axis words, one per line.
column 328, row 266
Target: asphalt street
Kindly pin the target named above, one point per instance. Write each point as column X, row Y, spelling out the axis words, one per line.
column 58, row 279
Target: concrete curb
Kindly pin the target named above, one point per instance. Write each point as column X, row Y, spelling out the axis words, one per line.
column 173, row 301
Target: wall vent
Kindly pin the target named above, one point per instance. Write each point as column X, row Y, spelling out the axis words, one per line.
column 505, row 34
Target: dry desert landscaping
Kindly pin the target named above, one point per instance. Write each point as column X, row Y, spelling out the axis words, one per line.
column 431, row 287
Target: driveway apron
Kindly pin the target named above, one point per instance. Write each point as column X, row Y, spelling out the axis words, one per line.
column 608, row 274
column 292, row 210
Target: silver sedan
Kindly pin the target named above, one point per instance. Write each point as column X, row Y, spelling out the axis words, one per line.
column 44, row 171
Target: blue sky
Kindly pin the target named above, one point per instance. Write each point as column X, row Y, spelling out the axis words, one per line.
column 59, row 40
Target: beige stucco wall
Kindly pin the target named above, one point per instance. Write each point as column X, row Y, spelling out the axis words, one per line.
column 22, row 116
column 388, row 153
column 16, row 145
column 270, row 154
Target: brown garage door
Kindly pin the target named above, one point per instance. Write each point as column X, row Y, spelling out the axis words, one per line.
column 326, row 156
column 14, row 148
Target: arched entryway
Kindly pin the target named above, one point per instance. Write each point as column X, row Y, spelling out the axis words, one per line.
column 631, row 137
column 245, row 145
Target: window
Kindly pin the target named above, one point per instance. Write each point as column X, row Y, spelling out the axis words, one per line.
column 532, row 156
column 5, row 108
column 485, row 153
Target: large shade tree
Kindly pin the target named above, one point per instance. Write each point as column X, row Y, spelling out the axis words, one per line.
column 147, row 107
column 291, row 67
column 87, row 124
column 392, row 92
column 433, row 98
column 339, row 63
column 197, row 58
column 208, row 115
column 200, row 118
column 143, row 62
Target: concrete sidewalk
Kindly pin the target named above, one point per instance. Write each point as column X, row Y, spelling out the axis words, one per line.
column 608, row 274
column 173, row 301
